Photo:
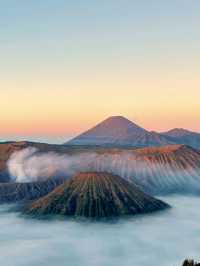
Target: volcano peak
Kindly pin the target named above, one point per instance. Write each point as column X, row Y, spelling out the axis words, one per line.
column 96, row 194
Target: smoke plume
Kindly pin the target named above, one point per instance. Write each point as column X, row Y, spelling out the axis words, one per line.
column 29, row 165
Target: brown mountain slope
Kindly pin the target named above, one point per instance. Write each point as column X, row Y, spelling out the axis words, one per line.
column 174, row 168
column 96, row 195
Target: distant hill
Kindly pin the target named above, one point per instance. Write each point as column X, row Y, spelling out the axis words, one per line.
column 119, row 131
column 96, row 195
column 183, row 136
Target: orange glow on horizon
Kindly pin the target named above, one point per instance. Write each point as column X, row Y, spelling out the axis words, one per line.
column 71, row 128
column 58, row 110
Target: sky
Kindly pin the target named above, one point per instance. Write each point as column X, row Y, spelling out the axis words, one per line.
column 67, row 65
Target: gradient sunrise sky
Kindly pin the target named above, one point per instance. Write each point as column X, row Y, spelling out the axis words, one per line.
column 67, row 65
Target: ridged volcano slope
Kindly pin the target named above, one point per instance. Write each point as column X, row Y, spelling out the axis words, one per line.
column 96, row 195
column 157, row 170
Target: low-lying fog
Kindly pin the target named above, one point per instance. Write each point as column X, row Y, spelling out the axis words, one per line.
column 164, row 238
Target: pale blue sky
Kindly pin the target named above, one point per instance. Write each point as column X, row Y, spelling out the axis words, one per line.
column 80, row 50
column 70, row 34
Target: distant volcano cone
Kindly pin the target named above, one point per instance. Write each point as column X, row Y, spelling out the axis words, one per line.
column 96, row 195
column 119, row 131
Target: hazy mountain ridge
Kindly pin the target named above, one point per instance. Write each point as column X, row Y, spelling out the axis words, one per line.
column 183, row 136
